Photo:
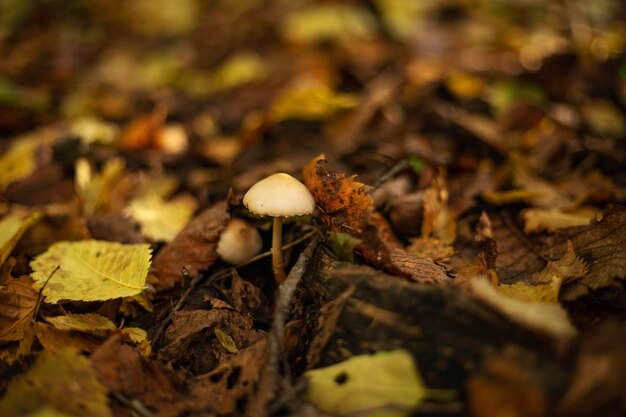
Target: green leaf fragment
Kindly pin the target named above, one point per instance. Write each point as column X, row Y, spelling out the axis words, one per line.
column 343, row 245
column 227, row 342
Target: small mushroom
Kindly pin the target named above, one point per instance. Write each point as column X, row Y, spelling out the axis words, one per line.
column 279, row 195
column 239, row 242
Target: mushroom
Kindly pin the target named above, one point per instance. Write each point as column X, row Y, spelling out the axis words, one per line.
column 279, row 195
column 239, row 242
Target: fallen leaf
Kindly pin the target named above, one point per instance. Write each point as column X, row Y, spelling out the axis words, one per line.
column 52, row 383
column 336, row 22
column 13, row 352
column 193, row 249
column 233, row 381
column 161, row 220
column 54, row 339
column 12, row 228
column 94, row 189
column 122, row 369
column 314, row 103
column 343, row 245
column 430, row 248
column 94, row 130
column 19, row 161
column 18, row 300
column 385, row 384
column 226, row 340
column 346, row 207
column 548, row 318
column 536, row 220
column 86, row 323
column 141, row 133
column 91, row 270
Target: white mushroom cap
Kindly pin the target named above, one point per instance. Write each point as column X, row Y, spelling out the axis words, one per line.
column 279, row 195
column 239, row 242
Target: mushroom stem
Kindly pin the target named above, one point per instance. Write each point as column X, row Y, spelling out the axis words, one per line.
column 277, row 253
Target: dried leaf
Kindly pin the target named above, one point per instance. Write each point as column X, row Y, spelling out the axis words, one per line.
column 161, row 220
column 337, row 22
column 536, row 220
column 122, row 369
column 91, row 270
column 55, row 339
column 86, row 323
column 550, row 319
column 18, row 299
column 52, row 383
column 19, row 161
column 94, row 189
column 193, row 248
column 15, row 351
column 315, row 103
column 12, row 228
column 385, row 384
column 226, row 340
column 432, row 248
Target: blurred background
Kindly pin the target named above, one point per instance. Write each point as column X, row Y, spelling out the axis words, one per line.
column 242, row 88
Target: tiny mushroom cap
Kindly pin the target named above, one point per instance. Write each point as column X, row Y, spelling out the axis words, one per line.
column 279, row 195
column 239, row 242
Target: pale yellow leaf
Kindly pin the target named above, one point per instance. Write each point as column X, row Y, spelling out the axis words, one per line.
column 385, row 384
column 541, row 293
column 336, row 22
column 226, row 341
column 135, row 334
column 160, row 220
column 91, row 270
column 94, row 188
column 93, row 130
column 314, row 103
column 19, row 161
column 61, row 380
column 91, row 323
column 549, row 318
column 12, row 228
column 536, row 220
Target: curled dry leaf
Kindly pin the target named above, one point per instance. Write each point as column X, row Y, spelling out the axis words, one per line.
column 536, row 220
column 347, row 207
column 193, row 249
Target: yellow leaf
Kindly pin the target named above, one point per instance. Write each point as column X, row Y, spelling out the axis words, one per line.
column 315, row 103
column 464, row 85
column 12, row 227
column 91, row 270
column 94, row 189
column 542, row 293
column 19, row 161
column 160, row 220
column 92, row 130
column 91, row 323
column 549, row 318
column 135, row 334
column 364, row 385
column 338, row 22
column 226, row 341
column 60, row 380
column 536, row 219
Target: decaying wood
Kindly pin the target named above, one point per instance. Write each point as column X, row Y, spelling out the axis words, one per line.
column 354, row 309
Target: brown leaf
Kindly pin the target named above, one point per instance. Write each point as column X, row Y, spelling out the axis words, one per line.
column 225, row 389
column 55, row 339
column 122, row 369
column 18, row 299
column 347, row 207
column 190, row 339
column 193, row 248
column 142, row 132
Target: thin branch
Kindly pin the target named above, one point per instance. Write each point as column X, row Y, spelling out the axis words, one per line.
column 134, row 404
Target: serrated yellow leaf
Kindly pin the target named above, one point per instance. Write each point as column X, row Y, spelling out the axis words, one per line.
column 19, row 161
column 12, row 227
column 91, row 270
column 94, row 189
column 61, row 380
column 542, row 293
column 315, row 103
column 91, row 323
column 135, row 334
column 160, row 220
column 364, row 385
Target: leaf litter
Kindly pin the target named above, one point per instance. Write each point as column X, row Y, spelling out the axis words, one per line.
column 477, row 145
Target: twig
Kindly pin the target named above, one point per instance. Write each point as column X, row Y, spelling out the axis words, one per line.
column 40, row 295
column 195, row 283
column 269, row 375
column 134, row 404
column 392, row 172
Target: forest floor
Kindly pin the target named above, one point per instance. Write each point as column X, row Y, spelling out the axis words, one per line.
column 466, row 255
